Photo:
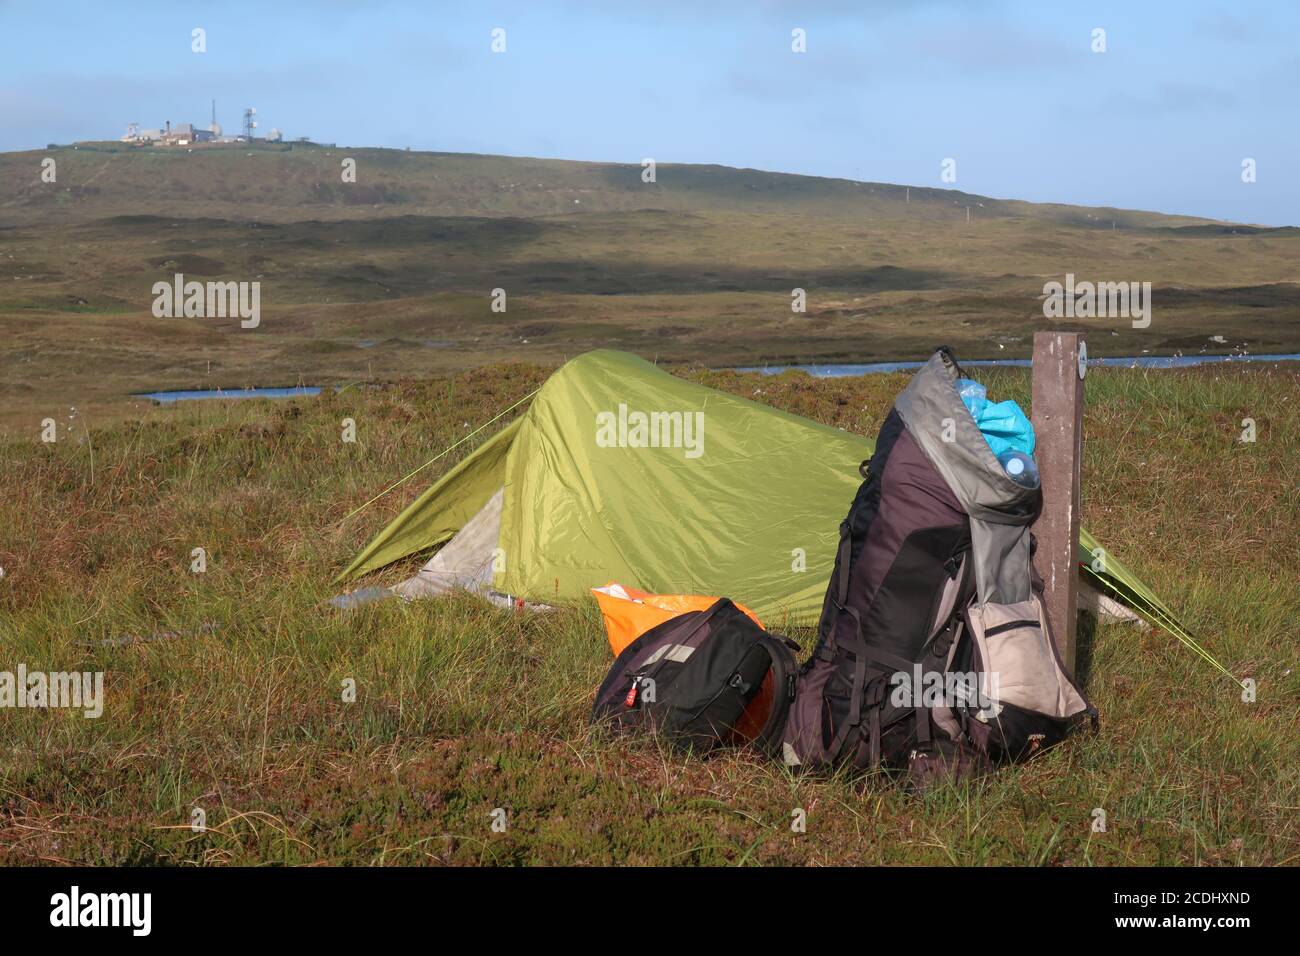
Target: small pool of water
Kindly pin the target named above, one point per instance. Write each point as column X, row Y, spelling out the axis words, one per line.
column 1139, row 361
column 185, row 395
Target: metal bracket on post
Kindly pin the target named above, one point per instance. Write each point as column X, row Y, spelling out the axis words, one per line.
column 1059, row 368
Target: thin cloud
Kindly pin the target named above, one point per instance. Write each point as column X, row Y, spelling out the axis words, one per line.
column 1171, row 98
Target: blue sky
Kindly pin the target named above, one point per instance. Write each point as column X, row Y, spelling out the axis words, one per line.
column 885, row 92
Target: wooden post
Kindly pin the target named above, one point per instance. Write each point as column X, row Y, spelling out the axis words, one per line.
column 1058, row 427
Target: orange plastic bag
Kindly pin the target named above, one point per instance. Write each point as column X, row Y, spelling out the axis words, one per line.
column 629, row 613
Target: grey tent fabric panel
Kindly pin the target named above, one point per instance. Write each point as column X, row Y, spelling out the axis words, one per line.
column 463, row 562
column 1000, row 510
column 1106, row 608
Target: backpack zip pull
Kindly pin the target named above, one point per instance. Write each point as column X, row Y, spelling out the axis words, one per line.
column 630, row 700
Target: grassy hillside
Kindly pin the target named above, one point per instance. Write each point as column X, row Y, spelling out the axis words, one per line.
column 223, row 688
column 393, row 275
column 292, row 182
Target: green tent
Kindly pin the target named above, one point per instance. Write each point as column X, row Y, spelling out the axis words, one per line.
column 619, row 471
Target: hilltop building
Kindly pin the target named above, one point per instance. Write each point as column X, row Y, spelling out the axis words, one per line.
column 187, row 134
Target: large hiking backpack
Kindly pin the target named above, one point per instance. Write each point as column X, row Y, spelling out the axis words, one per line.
column 933, row 655
column 700, row 680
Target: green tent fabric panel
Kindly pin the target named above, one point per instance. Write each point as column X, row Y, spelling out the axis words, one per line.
column 765, row 486
column 443, row 509
column 727, row 522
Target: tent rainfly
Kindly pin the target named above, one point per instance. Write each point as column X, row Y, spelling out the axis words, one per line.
column 620, row 471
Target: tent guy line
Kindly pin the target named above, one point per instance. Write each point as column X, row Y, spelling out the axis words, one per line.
column 451, row 447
